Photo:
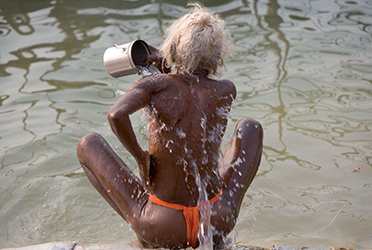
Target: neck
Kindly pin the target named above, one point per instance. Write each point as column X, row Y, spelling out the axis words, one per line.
column 200, row 72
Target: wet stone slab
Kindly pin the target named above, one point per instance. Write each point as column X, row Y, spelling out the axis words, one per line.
column 74, row 246
column 77, row 246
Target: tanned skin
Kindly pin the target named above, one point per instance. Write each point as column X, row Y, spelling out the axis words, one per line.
column 188, row 115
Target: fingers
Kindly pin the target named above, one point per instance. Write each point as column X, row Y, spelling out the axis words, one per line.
column 154, row 50
column 150, row 59
column 144, row 170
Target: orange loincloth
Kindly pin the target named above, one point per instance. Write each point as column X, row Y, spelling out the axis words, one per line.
column 191, row 215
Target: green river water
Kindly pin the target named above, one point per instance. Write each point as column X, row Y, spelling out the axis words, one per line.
column 303, row 68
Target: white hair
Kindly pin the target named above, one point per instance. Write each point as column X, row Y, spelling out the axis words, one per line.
column 197, row 40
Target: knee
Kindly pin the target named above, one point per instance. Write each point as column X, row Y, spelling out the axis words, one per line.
column 249, row 122
column 249, row 125
column 86, row 142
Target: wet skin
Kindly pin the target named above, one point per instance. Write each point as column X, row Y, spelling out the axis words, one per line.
column 187, row 120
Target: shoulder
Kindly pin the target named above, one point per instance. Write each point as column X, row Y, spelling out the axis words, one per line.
column 150, row 84
column 227, row 88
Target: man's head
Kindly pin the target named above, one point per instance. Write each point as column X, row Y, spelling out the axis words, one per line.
column 197, row 40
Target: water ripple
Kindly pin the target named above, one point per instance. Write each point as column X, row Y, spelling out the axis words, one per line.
column 4, row 31
column 323, row 190
column 301, row 68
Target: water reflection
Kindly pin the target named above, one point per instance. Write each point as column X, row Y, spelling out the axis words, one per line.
column 18, row 18
column 302, row 68
column 280, row 47
column 309, row 90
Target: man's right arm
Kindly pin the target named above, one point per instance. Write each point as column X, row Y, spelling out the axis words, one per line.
column 137, row 97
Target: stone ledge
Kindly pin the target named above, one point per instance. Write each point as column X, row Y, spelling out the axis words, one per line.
column 243, row 247
column 74, row 246
column 47, row 246
column 77, row 246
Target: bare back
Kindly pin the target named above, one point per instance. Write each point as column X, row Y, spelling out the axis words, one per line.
column 188, row 120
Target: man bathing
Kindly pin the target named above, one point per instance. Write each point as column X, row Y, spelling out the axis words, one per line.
column 188, row 113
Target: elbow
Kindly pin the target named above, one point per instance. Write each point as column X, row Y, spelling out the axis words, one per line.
column 117, row 116
column 113, row 116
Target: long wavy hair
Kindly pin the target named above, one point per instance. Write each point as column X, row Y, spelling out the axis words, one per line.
column 199, row 39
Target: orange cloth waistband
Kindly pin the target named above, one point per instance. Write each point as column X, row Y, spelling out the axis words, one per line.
column 191, row 215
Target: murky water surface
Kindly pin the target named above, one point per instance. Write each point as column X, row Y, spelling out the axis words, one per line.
column 303, row 68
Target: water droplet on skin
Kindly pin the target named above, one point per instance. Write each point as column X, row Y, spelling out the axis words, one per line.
column 239, row 135
column 168, row 144
column 181, row 134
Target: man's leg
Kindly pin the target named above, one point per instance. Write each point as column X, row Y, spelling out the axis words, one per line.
column 241, row 160
column 111, row 177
